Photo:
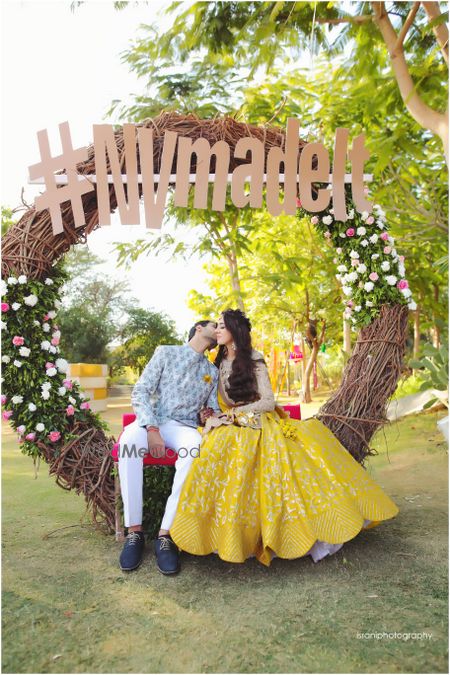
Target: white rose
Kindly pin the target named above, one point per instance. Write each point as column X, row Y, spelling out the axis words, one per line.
column 338, row 277
column 39, row 426
column 391, row 279
column 3, row 325
column 368, row 286
column 16, row 306
column 361, row 230
column 352, row 276
column 354, row 254
column 342, row 235
column 22, row 279
column 72, row 400
column 45, row 395
column 52, row 349
column 17, row 363
column 46, row 385
column 406, row 292
column 364, row 215
column 48, row 281
column 327, row 220
column 61, row 391
column 339, row 250
column 32, row 407
column 45, row 327
column 62, row 365
column 347, row 290
column 51, row 372
column 58, row 304
column 364, row 243
column 357, row 308
column 361, row 268
column 374, row 256
column 380, row 224
column 17, row 399
column 351, row 214
column 51, row 314
column 30, row 300
column 12, row 281
column 45, row 345
column 6, row 358
column 24, row 351
column 4, row 287
column 36, row 323
column 401, row 269
column 369, row 303
column 342, row 268
column 385, row 266
column 391, row 240
column 412, row 305
column 373, row 238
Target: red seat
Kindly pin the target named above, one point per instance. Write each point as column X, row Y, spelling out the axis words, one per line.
column 171, row 456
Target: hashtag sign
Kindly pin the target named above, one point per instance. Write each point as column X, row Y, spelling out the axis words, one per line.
column 77, row 185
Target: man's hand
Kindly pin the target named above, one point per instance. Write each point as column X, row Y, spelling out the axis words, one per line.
column 156, row 445
column 204, row 414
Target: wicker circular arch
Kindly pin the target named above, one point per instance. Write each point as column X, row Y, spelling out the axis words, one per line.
column 353, row 413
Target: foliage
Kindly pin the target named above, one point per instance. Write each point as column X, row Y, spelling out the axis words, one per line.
column 434, row 365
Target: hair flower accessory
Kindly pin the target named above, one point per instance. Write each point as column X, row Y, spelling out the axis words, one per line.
column 207, row 378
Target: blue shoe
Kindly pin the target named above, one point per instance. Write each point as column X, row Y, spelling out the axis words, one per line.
column 131, row 556
column 167, row 555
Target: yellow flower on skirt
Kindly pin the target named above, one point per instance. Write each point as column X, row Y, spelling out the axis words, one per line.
column 207, row 378
column 263, row 492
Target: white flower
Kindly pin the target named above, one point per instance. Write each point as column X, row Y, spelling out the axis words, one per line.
column 347, row 290
column 45, row 327
column 380, row 224
column 51, row 314
column 351, row 276
column 385, row 266
column 46, row 385
column 391, row 240
column 339, row 250
column 61, row 391
column 357, row 308
column 351, row 214
column 48, row 281
column 45, row 394
column 342, row 235
column 32, row 407
column 364, row 215
column 58, row 304
column 373, row 238
column 368, row 286
column 4, row 287
column 16, row 306
column 391, row 279
column 361, row 230
column 36, row 323
column 51, row 372
column 72, row 400
column 17, row 399
column 342, row 268
column 354, row 254
column 39, row 426
column 82, row 395
column 369, row 303
column 338, row 277
column 412, row 305
column 374, row 256
column 24, row 351
column 52, row 349
column 327, row 220
column 364, row 243
column 406, row 292
column 62, row 365
column 17, row 363
column 361, row 268
column 6, row 358
column 22, row 279
column 12, row 281
column 30, row 300
column 4, row 325
column 45, row 345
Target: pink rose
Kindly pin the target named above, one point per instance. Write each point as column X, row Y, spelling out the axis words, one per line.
column 350, row 303
column 314, row 220
column 350, row 232
column 355, row 262
column 70, row 410
column 327, row 235
column 49, row 364
column 387, row 250
column 298, row 203
column 21, row 428
column 6, row 414
column 68, row 384
column 402, row 284
column 384, row 236
column 18, row 341
column 5, row 306
column 366, row 191
column 55, row 341
column 370, row 220
column 373, row 276
column 54, row 436
column 30, row 437
column 46, row 317
column 85, row 405
column 401, row 258
column 4, row 399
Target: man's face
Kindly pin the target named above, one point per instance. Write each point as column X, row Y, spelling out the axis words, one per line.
column 209, row 332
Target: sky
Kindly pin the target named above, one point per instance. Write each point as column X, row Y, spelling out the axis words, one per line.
column 57, row 66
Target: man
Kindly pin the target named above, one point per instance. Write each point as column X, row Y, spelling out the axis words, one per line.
column 177, row 383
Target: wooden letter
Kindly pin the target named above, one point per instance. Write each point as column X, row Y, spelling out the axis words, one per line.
column 253, row 172
column 203, row 151
column 340, row 156
column 308, row 175
column 288, row 158
column 359, row 154
column 154, row 208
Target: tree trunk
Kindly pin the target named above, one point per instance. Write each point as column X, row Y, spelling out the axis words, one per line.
column 436, row 329
column 305, row 392
column 235, row 280
column 416, row 346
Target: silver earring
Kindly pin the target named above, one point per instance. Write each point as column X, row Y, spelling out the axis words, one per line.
column 233, row 346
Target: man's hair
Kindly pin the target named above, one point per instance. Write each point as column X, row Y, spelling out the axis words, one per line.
column 199, row 323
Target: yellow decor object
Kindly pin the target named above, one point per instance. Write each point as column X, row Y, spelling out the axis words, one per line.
column 92, row 380
column 207, row 378
column 88, row 370
column 289, row 430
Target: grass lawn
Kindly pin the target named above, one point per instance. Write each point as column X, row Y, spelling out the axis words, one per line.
column 67, row 607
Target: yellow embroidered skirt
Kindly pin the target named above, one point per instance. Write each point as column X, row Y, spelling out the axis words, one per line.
column 257, row 492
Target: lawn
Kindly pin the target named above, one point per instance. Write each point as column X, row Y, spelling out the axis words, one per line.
column 67, row 607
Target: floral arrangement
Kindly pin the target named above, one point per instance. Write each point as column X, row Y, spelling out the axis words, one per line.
column 38, row 398
column 368, row 266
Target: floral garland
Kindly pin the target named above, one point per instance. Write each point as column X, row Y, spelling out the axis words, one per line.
column 38, row 398
column 368, row 266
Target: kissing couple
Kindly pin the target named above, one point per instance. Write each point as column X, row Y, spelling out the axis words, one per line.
column 249, row 481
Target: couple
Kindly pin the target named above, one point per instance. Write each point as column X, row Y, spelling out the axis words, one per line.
column 254, row 483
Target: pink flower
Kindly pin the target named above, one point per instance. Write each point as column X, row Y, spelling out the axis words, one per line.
column 30, row 437
column 49, row 364
column 366, row 191
column 85, row 405
column 370, row 220
column 68, row 384
column 314, row 220
column 18, row 341
column 55, row 341
column 5, row 306
column 46, row 317
column 387, row 250
column 21, row 428
column 350, row 303
column 298, row 202
column 70, row 410
column 54, row 436
column 402, row 284
column 327, row 235
column 373, row 276
column 350, row 232
column 384, row 236
column 355, row 262
column 6, row 414
column 4, row 399
column 401, row 258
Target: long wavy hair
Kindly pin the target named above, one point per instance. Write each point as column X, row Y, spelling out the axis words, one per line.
column 242, row 386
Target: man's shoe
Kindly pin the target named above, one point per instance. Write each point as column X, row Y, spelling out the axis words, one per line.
column 167, row 555
column 131, row 556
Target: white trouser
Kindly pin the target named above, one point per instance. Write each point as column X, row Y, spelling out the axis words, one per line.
column 184, row 440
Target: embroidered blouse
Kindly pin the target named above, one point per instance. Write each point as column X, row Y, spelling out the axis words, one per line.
column 266, row 402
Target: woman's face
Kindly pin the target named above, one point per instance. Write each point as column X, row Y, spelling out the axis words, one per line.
column 223, row 335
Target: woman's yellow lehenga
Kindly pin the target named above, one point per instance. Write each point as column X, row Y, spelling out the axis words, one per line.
column 286, row 489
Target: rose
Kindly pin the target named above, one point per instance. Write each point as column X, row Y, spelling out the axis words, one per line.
column 391, row 279
column 55, row 341
column 385, row 266
column 314, row 220
column 22, row 279
column 18, row 340
column 384, row 236
column 54, row 436
column 24, row 351
column 39, row 426
column 12, row 281
column 6, row 358
column 387, row 250
column 16, row 306
column 45, row 327
column 350, row 232
column 48, row 281
column 298, row 203
column 31, row 436
column 4, row 399
column 402, row 284
column 30, row 300
column 17, row 363
column 327, row 235
column 361, row 230
column 373, row 276
column 51, row 372
column 61, row 391
column 17, row 399
column 32, row 407
column 5, row 306
column 85, row 405
column 6, row 414
column 370, row 220
column 21, row 428
column 49, row 364
column 368, row 286
column 327, row 220
column 70, row 410
column 68, row 384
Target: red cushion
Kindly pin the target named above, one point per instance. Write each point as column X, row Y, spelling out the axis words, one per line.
column 294, row 411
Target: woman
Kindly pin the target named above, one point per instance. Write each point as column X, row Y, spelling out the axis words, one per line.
column 264, row 485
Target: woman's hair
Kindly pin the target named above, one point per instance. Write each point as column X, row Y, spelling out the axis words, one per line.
column 242, row 386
